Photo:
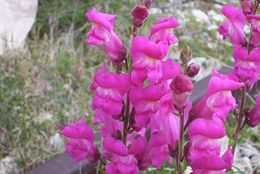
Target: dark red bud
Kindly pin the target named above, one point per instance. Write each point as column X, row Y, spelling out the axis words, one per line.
column 247, row 6
column 139, row 14
column 148, row 3
column 193, row 69
column 181, row 83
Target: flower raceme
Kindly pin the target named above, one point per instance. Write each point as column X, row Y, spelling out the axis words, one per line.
column 143, row 108
column 246, row 51
column 204, row 149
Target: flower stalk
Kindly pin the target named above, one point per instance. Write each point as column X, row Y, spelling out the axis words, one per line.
column 180, row 143
column 240, row 117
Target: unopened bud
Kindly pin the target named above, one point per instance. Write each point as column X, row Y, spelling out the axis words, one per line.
column 193, row 69
column 148, row 3
column 247, row 6
column 181, row 83
column 181, row 87
column 185, row 54
column 253, row 117
column 139, row 14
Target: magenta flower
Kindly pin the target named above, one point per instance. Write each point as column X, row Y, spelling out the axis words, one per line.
column 139, row 148
column 233, row 26
column 247, row 65
column 158, row 150
column 253, row 118
column 153, row 153
column 163, row 30
column 203, row 150
column 101, row 33
column 147, row 57
column 146, row 103
column 181, row 87
column 218, row 100
column 123, row 165
column 113, row 147
column 80, row 141
column 169, row 70
column 255, row 30
column 109, row 89
column 103, row 24
column 167, row 126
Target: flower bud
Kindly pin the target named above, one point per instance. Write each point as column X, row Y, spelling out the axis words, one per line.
column 139, row 14
column 148, row 3
column 253, row 118
column 185, row 54
column 193, row 69
column 247, row 6
column 181, row 86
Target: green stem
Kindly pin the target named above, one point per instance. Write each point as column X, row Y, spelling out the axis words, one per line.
column 126, row 118
column 240, row 118
column 180, row 143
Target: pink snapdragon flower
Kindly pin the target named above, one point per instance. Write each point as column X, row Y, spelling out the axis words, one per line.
column 109, row 89
column 163, row 30
column 169, row 70
column 233, row 26
column 152, row 153
column 123, row 165
column 112, row 147
column 80, row 144
column 218, row 100
column 255, row 30
column 253, row 118
column 167, row 126
column 146, row 103
column 147, row 57
column 247, row 65
column 110, row 127
column 203, row 150
column 102, row 33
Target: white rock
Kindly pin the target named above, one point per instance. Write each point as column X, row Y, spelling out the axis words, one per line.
column 57, row 142
column 16, row 20
column 44, row 116
column 8, row 165
column 199, row 15
column 244, row 165
column 247, row 157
